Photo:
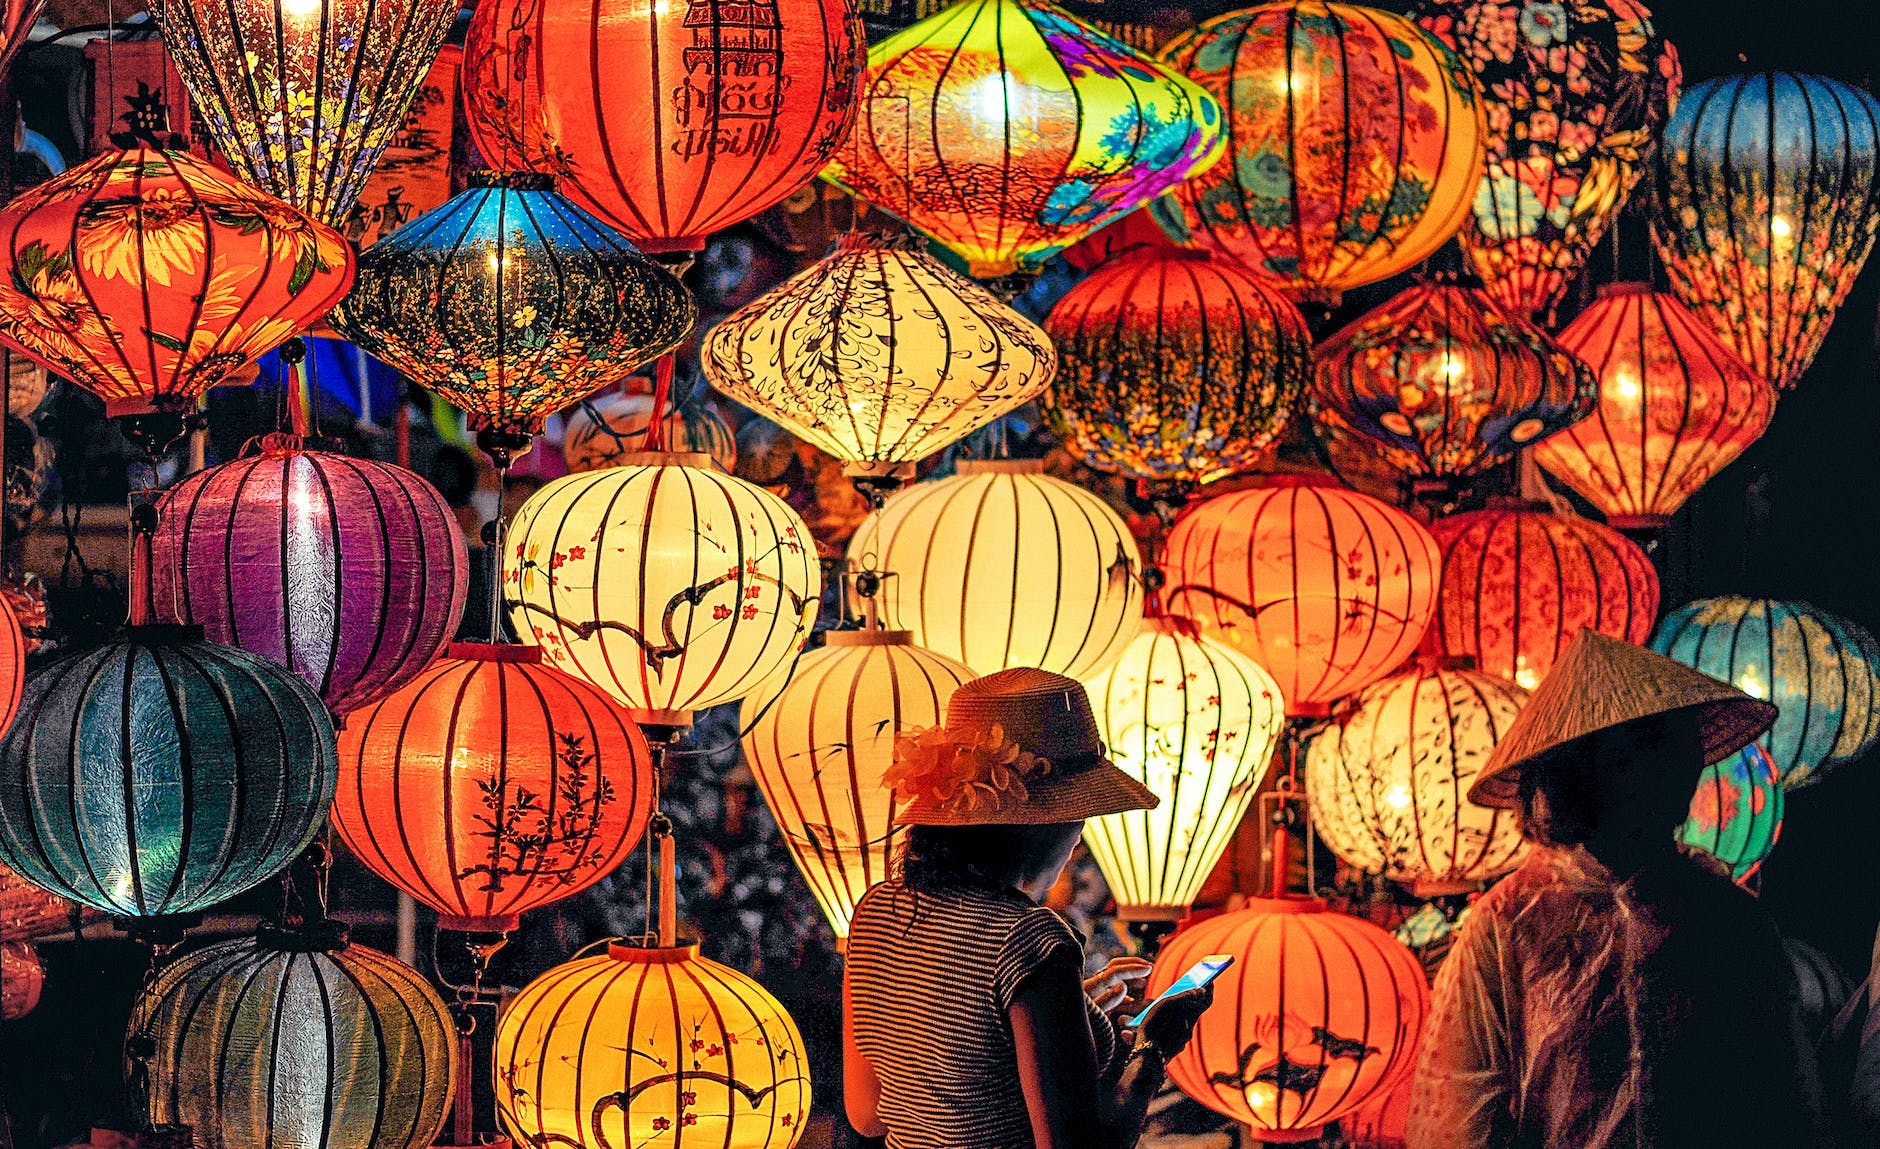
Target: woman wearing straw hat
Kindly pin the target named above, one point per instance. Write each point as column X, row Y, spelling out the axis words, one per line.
column 1614, row 992
column 966, row 1025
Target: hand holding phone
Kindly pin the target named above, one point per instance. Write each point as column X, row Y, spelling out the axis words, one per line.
column 1199, row 974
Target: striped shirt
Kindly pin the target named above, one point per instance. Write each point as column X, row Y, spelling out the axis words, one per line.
column 932, row 976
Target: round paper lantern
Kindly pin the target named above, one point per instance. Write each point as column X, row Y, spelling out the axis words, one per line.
column 1327, row 589
column 1768, row 197
column 665, row 582
column 1382, row 1122
column 1576, row 94
column 1519, row 584
column 297, row 1039
column 1447, row 384
column 512, row 302
column 1355, row 144
column 1176, row 366
column 1196, row 722
column 149, row 277
column 350, row 573
column 879, row 355
column 669, row 120
column 12, row 663
column 491, row 785
column 819, row 741
column 1675, row 407
column 1008, row 131
column 642, row 1046
column 1821, row 670
column 1002, row 565
column 1736, row 814
column 603, row 431
column 158, row 775
column 302, row 96
column 1389, row 780
column 1319, row 1013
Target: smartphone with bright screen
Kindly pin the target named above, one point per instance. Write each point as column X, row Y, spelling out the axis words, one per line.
column 1198, row 975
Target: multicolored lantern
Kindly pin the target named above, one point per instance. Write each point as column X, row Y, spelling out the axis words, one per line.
column 1196, row 722
column 1328, row 589
column 669, row 120
column 1356, row 144
column 1576, row 94
column 879, row 355
column 1736, row 814
column 1769, row 196
column 1318, row 1013
column 1448, row 384
column 642, row 1046
column 819, row 741
column 512, row 302
column 1175, row 365
column 1389, row 780
column 1675, row 407
column 603, row 431
column 149, row 277
column 1821, row 670
column 302, row 96
column 1519, row 584
column 1002, row 565
column 1007, row 130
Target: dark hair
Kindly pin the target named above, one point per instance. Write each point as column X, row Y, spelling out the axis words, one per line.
column 1563, row 797
column 932, row 856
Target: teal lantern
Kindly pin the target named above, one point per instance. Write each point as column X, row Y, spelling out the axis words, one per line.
column 1736, row 814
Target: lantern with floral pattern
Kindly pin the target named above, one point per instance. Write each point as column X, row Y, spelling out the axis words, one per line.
column 1736, row 814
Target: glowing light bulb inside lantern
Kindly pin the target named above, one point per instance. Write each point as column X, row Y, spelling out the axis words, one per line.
column 996, row 99
column 301, row 10
column 1779, row 227
column 1524, row 675
column 1752, row 684
column 1397, row 797
column 1261, row 1096
column 1626, row 387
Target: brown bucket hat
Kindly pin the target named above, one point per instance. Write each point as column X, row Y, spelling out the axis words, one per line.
column 1019, row 746
column 1602, row 682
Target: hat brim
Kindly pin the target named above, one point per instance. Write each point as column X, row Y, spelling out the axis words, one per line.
column 1099, row 789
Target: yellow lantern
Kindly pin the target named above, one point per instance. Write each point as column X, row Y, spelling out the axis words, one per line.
column 819, row 742
column 879, row 355
column 1002, row 565
column 664, row 582
column 1195, row 721
column 644, row 1046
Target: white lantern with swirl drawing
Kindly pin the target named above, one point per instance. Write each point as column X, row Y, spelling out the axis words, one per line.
column 604, row 430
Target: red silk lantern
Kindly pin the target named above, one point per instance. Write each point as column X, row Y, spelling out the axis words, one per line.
column 149, row 277
column 669, row 120
column 1328, row 589
column 491, row 785
column 12, row 663
column 1518, row 585
column 1675, row 407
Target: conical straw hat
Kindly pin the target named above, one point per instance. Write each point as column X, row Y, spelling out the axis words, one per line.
column 1602, row 682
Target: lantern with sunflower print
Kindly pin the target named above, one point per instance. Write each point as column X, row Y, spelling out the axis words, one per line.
column 149, row 277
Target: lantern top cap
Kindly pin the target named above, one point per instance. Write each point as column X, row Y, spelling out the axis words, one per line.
column 513, row 181
column 901, row 240
column 1614, row 290
column 999, row 467
column 494, row 652
column 164, row 633
column 868, row 636
column 636, row 952
column 664, row 459
column 1286, row 905
column 320, row 936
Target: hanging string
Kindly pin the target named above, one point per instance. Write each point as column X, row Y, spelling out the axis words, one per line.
column 662, row 398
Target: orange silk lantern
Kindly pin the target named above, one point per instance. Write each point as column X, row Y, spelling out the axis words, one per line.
column 669, row 120
column 149, row 277
column 12, row 663
column 491, row 784
column 1329, row 590
column 1675, row 407
column 1518, row 585
column 1356, row 144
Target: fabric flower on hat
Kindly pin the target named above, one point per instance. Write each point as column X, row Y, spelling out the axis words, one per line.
column 966, row 771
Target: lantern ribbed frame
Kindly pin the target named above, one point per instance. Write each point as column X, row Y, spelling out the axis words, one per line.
column 1768, row 199
column 602, row 431
column 669, row 121
column 1001, row 565
column 1389, row 780
column 879, row 355
column 1675, row 407
column 262, row 1043
column 159, row 774
column 12, row 664
column 303, row 97
column 1175, row 365
column 1196, row 722
column 492, row 785
column 819, row 741
column 148, row 277
column 1736, row 814
column 1303, row 976
column 1329, row 590
column 604, row 1051
column 1519, row 584
column 1344, row 179
column 348, row 572
column 664, row 582
column 1822, row 671
column 1446, row 383
column 1382, row 1122
column 512, row 302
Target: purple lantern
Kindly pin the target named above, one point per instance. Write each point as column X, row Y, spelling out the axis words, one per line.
column 349, row 572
